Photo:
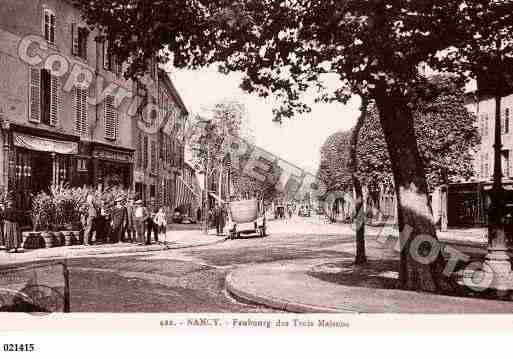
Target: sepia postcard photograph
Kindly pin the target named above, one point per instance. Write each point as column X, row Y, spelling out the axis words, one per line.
column 213, row 166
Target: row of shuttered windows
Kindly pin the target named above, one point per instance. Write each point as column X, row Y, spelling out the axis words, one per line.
column 147, row 153
column 46, row 102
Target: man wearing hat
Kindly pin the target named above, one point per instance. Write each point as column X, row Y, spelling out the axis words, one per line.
column 140, row 217
column 119, row 221
column 130, row 228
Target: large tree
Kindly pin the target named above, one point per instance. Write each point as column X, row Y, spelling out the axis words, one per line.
column 211, row 129
column 285, row 47
column 333, row 166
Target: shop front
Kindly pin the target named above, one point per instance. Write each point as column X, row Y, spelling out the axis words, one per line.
column 35, row 163
column 112, row 166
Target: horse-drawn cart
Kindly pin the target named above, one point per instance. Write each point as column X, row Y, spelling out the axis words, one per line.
column 246, row 217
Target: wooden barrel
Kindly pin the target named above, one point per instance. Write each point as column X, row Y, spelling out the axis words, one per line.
column 68, row 238
column 48, row 239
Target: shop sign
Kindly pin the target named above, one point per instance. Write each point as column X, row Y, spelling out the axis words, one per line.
column 110, row 155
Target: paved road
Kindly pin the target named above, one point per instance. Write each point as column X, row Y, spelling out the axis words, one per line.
column 192, row 280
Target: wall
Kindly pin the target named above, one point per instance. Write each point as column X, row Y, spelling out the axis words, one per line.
column 484, row 157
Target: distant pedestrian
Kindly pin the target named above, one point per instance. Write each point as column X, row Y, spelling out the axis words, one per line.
column 140, row 217
column 130, row 232
column 12, row 232
column 161, row 222
column 222, row 219
column 212, row 220
column 198, row 214
column 217, row 216
column 90, row 221
column 118, row 221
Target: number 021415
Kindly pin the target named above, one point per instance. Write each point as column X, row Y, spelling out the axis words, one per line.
column 18, row 347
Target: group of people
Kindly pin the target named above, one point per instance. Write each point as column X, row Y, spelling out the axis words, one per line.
column 126, row 222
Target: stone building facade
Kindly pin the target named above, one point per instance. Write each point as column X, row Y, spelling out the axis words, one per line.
column 68, row 116
column 62, row 118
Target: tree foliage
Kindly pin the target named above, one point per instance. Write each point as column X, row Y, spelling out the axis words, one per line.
column 445, row 131
column 226, row 118
column 333, row 169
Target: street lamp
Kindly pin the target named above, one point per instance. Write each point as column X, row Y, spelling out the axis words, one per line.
column 497, row 260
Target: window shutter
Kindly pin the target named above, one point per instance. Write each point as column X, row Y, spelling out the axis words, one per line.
column 116, row 123
column 106, row 64
column 83, row 33
column 506, row 120
column 35, row 95
column 54, row 101
column 110, row 118
column 52, row 28
column 74, row 39
column 80, row 108
column 49, row 26
column 139, row 150
column 84, row 111
column 153, row 157
column 145, row 152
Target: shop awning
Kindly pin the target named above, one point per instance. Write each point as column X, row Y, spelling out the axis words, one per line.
column 44, row 144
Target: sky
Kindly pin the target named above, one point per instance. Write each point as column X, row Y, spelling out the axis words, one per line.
column 297, row 140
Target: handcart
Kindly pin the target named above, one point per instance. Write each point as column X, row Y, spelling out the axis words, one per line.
column 246, row 217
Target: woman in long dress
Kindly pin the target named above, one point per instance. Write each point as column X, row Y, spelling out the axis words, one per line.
column 12, row 235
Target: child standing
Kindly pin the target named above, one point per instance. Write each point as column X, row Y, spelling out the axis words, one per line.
column 161, row 222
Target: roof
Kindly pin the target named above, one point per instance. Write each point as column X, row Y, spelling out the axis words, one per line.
column 167, row 79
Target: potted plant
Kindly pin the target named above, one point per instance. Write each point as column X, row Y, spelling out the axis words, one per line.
column 43, row 213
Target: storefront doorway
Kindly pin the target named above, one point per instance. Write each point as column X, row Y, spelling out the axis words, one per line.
column 35, row 163
column 33, row 172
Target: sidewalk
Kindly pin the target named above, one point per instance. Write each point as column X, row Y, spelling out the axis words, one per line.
column 290, row 286
column 174, row 240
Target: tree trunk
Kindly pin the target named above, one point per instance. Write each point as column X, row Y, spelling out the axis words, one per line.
column 421, row 264
column 361, row 258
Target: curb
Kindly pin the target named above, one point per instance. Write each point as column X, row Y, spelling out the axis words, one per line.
column 280, row 304
column 462, row 243
column 81, row 253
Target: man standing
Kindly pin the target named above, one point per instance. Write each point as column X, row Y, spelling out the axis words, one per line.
column 219, row 219
column 151, row 226
column 119, row 220
column 140, row 217
column 130, row 228
column 89, row 220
